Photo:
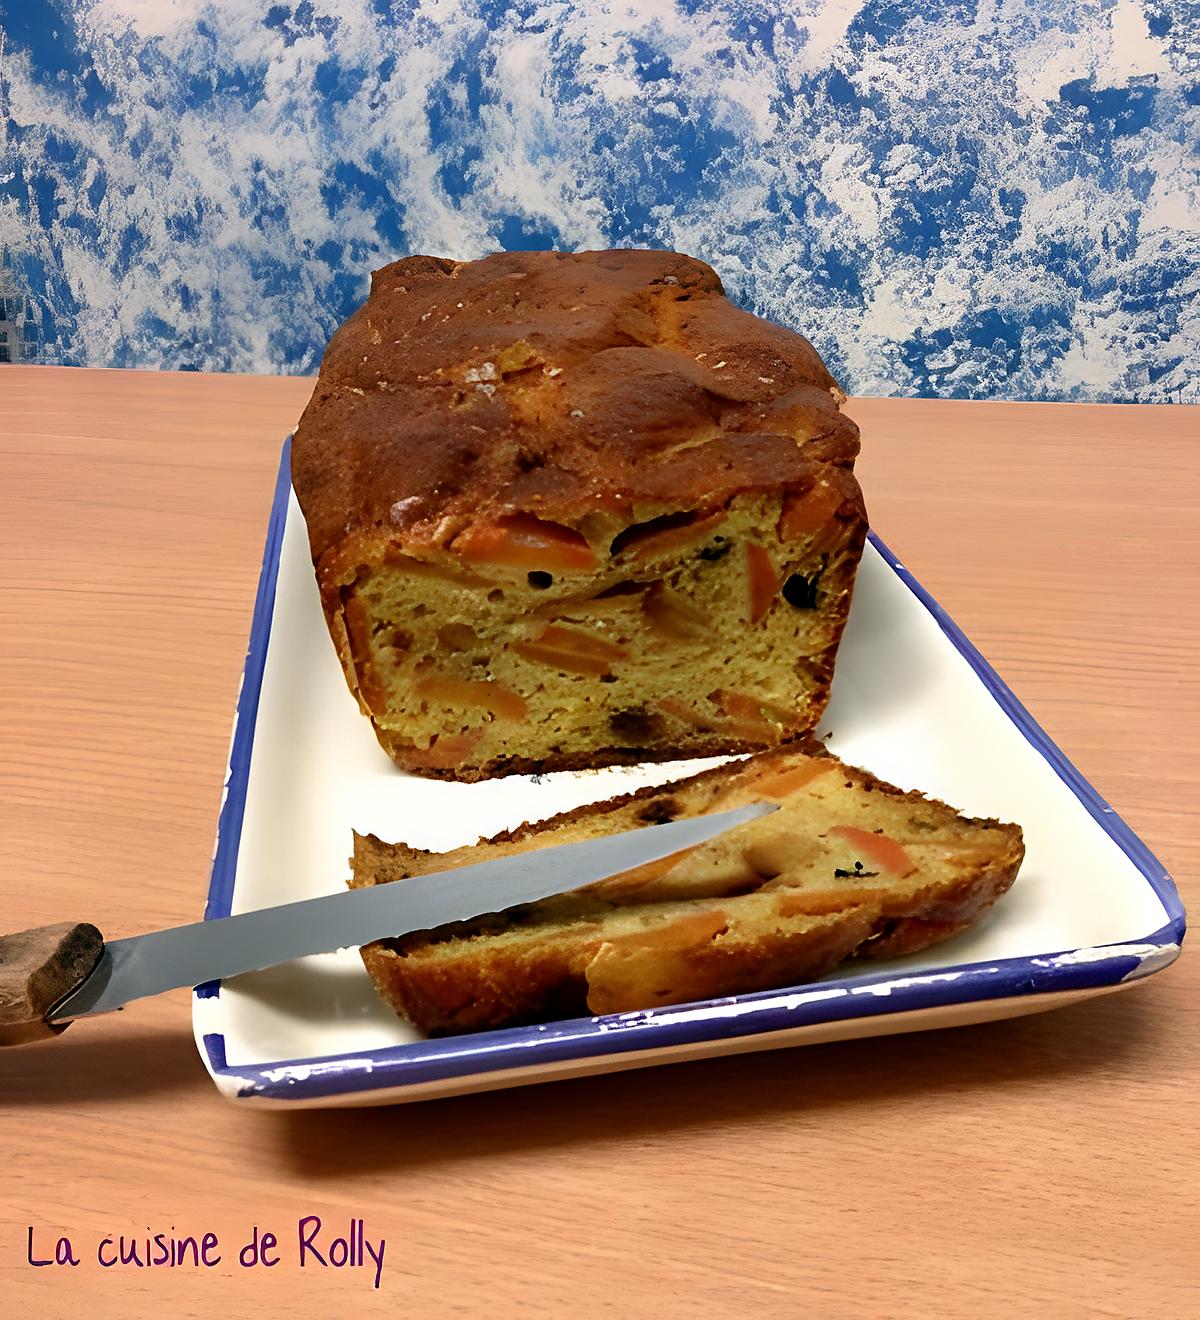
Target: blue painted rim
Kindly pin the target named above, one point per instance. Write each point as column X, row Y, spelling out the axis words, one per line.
column 241, row 748
column 872, row 995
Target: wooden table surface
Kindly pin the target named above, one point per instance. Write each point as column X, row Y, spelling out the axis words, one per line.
column 1047, row 1163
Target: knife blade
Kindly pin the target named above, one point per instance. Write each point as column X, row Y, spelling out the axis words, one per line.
column 143, row 965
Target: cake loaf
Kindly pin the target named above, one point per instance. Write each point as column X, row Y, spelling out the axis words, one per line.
column 568, row 510
column 848, row 867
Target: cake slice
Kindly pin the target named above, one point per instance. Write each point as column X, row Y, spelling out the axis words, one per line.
column 573, row 509
column 847, row 867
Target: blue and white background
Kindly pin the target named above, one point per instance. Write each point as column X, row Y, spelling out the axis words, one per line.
column 967, row 198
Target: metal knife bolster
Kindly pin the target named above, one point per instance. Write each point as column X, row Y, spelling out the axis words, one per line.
column 227, row 946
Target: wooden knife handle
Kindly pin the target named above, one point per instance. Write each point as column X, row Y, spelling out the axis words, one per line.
column 37, row 968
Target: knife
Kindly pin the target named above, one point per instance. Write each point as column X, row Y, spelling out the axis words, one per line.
column 51, row 975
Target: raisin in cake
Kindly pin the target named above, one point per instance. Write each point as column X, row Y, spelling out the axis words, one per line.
column 848, row 867
column 568, row 510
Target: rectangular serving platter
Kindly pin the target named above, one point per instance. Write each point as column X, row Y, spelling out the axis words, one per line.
column 913, row 701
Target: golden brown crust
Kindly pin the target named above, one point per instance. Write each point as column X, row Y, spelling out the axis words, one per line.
column 568, row 386
column 721, row 775
column 553, row 381
column 725, row 940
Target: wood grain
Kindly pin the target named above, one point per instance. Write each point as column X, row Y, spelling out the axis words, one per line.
column 38, row 968
column 1042, row 1165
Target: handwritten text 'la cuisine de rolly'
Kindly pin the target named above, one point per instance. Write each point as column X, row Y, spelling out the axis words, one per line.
column 311, row 1247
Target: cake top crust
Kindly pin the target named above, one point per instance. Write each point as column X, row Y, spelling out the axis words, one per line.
column 558, row 384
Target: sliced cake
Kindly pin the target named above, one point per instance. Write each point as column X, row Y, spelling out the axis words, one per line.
column 848, row 867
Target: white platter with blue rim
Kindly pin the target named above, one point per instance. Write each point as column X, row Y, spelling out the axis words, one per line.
column 1092, row 909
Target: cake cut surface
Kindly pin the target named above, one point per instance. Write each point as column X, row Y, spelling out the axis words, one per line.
column 569, row 510
column 848, row 867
